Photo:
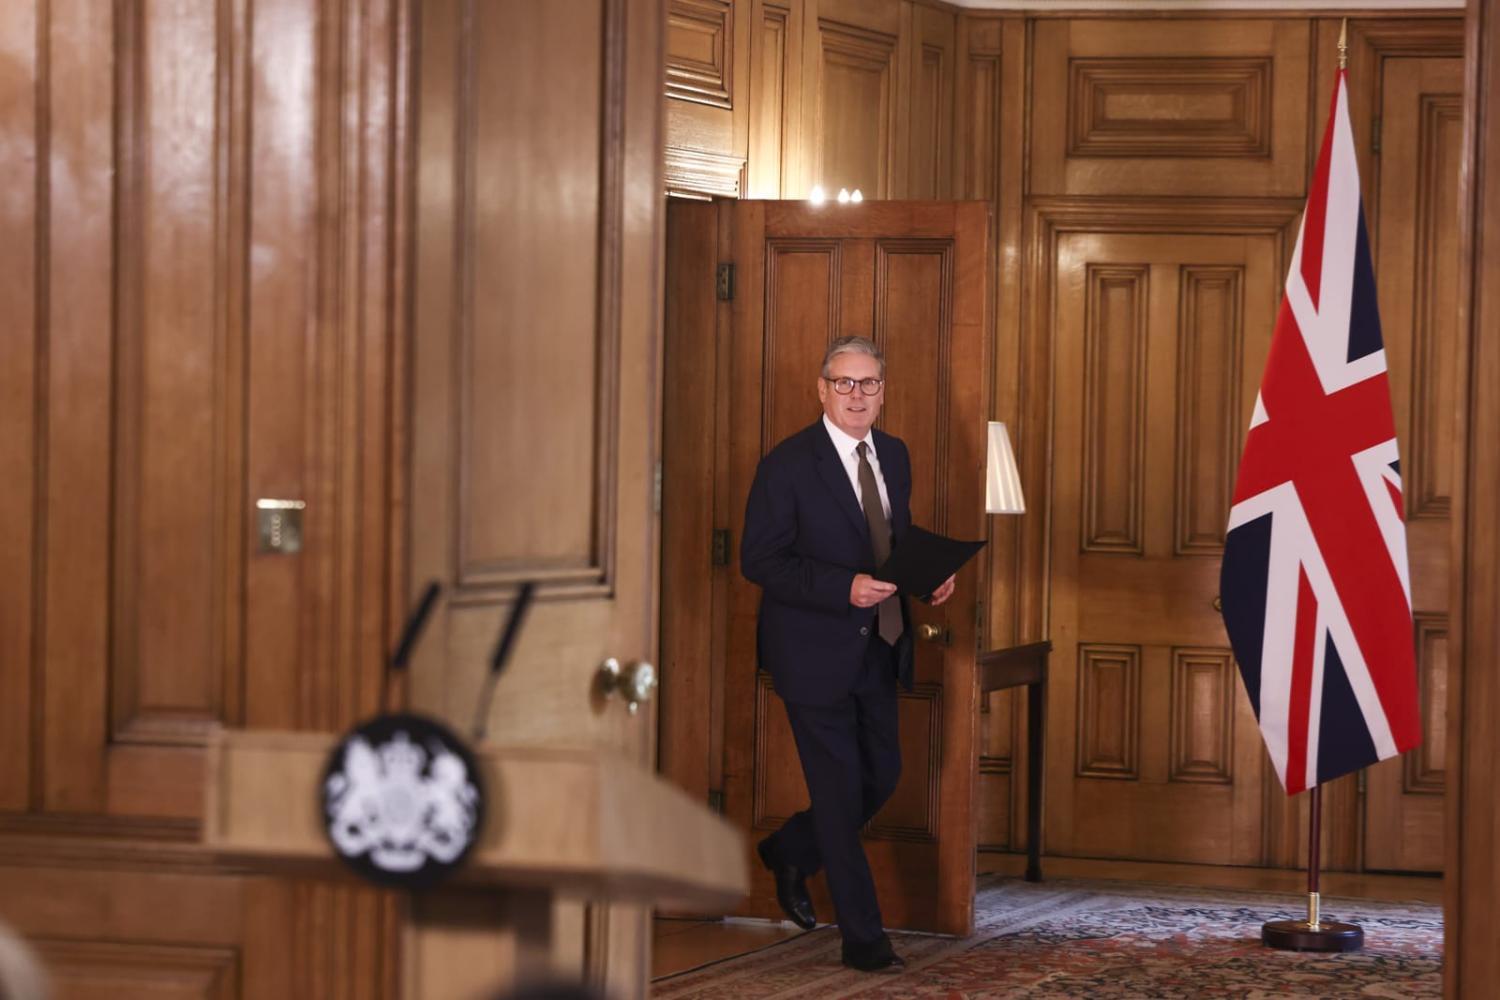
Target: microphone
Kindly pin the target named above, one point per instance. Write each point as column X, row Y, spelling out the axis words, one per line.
column 500, row 657
column 410, row 633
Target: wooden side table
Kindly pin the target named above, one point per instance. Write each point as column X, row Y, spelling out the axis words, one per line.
column 1013, row 667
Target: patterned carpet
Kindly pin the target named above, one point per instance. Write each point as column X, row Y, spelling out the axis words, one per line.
column 1102, row 940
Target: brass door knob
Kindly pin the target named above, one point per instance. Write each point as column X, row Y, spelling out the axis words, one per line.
column 933, row 633
column 1218, row 604
column 633, row 683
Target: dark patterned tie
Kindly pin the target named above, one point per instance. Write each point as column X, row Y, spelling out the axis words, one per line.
column 880, row 540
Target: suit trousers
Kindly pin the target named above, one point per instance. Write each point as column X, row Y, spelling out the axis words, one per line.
column 851, row 757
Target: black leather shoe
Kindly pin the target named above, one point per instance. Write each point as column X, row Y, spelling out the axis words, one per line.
column 876, row 956
column 791, row 889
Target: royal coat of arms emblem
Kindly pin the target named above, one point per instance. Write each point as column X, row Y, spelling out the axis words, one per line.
column 402, row 800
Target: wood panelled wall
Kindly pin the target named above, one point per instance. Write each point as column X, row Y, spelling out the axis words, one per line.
column 767, row 98
column 197, row 281
column 1148, row 174
column 1471, row 961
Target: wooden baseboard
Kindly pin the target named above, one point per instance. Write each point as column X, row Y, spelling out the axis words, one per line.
column 1421, row 888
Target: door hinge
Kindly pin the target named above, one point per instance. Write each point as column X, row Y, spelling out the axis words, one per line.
column 656, row 490
column 720, row 556
column 724, row 282
column 716, row 800
column 1375, row 136
column 979, row 626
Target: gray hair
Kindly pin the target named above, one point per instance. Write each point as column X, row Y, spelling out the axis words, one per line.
column 853, row 345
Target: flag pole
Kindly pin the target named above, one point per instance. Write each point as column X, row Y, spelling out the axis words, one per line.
column 1314, row 933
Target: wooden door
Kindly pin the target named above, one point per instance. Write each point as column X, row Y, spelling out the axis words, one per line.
column 913, row 276
column 1416, row 241
column 196, row 317
column 534, row 430
column 1160, row 339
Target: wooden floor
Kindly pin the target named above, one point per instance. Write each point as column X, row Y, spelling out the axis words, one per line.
column 680, row 945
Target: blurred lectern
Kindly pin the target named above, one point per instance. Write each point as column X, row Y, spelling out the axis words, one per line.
column 574, row 823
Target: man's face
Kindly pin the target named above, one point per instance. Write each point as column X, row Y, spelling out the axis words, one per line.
column 853, row 414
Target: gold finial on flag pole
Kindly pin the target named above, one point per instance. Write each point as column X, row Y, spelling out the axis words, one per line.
column 1344, row 44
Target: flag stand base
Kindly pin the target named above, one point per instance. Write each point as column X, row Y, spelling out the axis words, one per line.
column 1299, row 935
column 1314, row 933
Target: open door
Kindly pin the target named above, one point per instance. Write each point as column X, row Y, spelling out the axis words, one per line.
column 913, row 276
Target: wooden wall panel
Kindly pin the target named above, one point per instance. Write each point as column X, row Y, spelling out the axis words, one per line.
column 160, row 240
column 1428, row 484
column 1114, row 400
column 701, row 51
column 1224, row 102
column 1204, row 683
column 990, row 111
column 858, row 104
column 1414, row 196
column 1209, row 376
column 22, row 147
column 179, row 364
column 280, row 176
column 775, row 98
column 105, row 971
column 934, row 44
column 1179, row 108
column 1471, row 960
column 707, row 88
column 73, row 582
column 1425, row 767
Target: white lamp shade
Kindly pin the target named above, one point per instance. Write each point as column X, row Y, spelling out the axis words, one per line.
column 1002, row 481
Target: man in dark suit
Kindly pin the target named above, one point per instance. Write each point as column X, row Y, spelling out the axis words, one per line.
column 827, row 506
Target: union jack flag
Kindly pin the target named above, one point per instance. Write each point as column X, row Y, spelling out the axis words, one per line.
column 1315, row 588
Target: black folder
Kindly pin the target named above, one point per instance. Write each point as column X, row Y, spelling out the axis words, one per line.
column 923, row 560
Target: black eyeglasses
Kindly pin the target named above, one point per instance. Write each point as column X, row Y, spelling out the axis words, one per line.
column 844, row 386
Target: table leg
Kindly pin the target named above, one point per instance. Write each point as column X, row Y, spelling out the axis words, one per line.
column 1036, row 711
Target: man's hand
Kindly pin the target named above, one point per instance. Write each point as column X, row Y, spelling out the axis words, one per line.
column 944, row 591
column 866, row 591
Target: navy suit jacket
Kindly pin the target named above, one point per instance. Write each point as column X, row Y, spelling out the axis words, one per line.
column 805, row 538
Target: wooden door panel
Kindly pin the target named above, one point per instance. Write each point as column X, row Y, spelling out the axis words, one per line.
column 803, row 300
column 913, row 325
column 780, row 790
column 1417, row 239
column 526, row 340
column 911, row 276
column 691, row 686
column 1160, row 339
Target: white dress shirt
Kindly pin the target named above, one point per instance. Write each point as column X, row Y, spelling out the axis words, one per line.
column 847, row 447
